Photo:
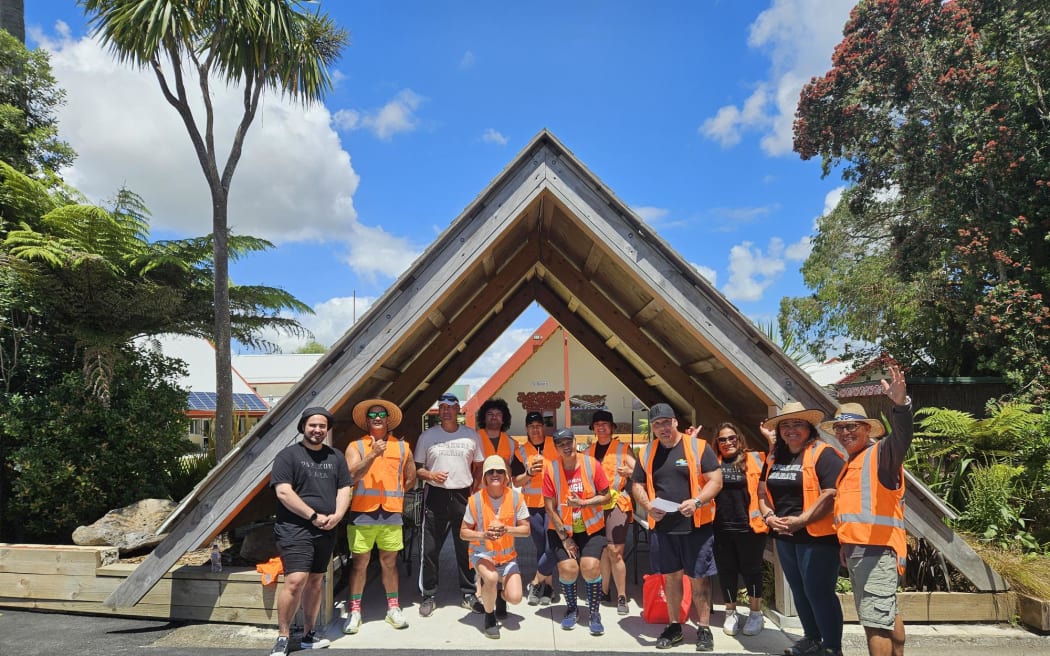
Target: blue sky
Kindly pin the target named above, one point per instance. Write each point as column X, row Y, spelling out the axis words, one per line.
column 682, row 108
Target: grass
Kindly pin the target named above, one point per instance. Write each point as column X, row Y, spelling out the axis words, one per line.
column 1027, row 573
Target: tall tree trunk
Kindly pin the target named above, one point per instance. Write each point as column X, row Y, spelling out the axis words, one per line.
column 13, row 18
column 222, row 333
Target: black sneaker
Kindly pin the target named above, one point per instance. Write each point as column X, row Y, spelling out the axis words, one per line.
column 805, row 647
column 280, row 648
column 704, row 640
column 491, row 627
column 471, row 602
column 501, row 608
column 427, row 607
column 313, row 641
column 607, row 598
column 671, row 636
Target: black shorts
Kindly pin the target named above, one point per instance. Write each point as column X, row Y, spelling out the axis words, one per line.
column 303, row 551
column 586, row 545
column 692, row 552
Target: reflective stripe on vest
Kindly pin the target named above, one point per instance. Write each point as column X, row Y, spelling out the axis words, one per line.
column 532, row 491
column 613, row 459
column 593, row 516
column 501, row 550
column 867, row 512
column 373, row 490
column 811, row 487
column 694, row 450
column 754, row 473
column 503, row 448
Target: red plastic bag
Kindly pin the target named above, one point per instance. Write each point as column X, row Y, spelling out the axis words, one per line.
column 654, row 603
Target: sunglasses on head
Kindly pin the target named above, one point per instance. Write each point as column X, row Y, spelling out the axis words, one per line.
column 378, row 415
column 726, row 438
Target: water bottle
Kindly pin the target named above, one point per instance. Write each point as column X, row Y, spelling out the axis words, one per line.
column 216, row 557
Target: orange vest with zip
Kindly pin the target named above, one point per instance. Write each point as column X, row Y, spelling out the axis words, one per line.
column 593, row 516
column 867, row 512
column 811, row 488
column 383, row 484
column 694, row 451
column 753, row 461
column 615, row 456
column 502, row 550
column 532, row 491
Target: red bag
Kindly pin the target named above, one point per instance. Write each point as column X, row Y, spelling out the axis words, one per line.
column 654, row 603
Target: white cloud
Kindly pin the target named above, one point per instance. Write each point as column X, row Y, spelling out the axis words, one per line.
column 800, row 250
column 751, row 271
column 649, row 214
column 494, row 137
column 831, row 200
column 706, row 272
column 376, row 251
column 799, row 37
column 395, row 117
column 330, row 321
column 467, row 61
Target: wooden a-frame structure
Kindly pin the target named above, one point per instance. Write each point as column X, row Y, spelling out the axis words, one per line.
column 545, row 230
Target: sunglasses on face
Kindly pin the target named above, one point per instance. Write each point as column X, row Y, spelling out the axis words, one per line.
column 382, row 414
column 726, row 439
column 846, row 428
column 495, row 472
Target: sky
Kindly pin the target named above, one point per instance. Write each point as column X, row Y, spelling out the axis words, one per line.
column 682, row 108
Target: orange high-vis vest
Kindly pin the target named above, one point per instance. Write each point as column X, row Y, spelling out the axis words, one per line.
column 867, row 512
column 503, row 448
column 383, row 485
column 615, row 456
column 811, row 488
column 532, row 491
column 694, row 451
column 593, row 516
column 501, row 550
column 753, row 471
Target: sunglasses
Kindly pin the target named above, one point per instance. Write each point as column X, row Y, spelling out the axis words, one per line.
column 846, row 428
column 378, row 415
column 725, row 439
column 496, row 472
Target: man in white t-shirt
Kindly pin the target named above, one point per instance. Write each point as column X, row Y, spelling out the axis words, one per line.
column 448, row 459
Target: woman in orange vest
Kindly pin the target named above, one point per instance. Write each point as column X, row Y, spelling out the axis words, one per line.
column 740, row 533
column 869, row 512
column 495, row 515
column 574, row 491
column 617, row 461
column 796, row 495
column 526, row 469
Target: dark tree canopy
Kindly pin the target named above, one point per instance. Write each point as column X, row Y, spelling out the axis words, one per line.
column 937, row 115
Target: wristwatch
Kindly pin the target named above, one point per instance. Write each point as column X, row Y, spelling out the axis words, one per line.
column 697, row 503
column 313, row 517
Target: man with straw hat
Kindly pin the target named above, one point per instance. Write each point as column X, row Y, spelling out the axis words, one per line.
column 869, row 512
column 383, row 467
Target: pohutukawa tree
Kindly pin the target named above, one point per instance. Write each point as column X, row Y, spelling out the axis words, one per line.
column 259, row 45
column 938, row 116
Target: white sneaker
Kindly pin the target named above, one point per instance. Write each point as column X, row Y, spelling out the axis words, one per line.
column 754, row 624
column 395, row 618
column 353, row 623
column 732, row 623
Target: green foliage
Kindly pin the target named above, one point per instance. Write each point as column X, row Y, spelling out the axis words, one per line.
column 937, row 116
column 992, row 502
column 312, row 347
column 68, row 459
column 189, row 470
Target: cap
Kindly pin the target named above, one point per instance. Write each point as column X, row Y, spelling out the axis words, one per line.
column 563, row 434
column 448, row 398
column 601, row 415
column 494, row 462
column 533, row 416
column 661, row 411
column 310, row 412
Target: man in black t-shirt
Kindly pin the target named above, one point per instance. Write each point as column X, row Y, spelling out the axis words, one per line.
column 683, row 470
column 312, row 483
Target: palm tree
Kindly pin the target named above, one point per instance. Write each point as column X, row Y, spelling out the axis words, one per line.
column 258, row 44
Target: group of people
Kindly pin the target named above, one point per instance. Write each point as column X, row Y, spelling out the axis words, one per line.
column 709, row 511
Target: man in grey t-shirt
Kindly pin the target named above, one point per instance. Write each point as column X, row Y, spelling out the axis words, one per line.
column 448, row 459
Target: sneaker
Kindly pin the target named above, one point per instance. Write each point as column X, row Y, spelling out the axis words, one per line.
column 313, row 641
column 492, row 630
column 353, row 623
column 569, row 621
column 754, row 624
column 547, row 596
column 731, row 626
column 534, row 594
column 501, row 608
column 472, row 603
column 827, row 651
column 595, row 625
column 396, row 618
column 607, row 598
column 426, row 608
column 621, row 605
column 804, row 647
column 670, row 637
column 280, row 648
column 704, row 640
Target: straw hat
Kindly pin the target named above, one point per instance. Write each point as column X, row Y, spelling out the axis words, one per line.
column 393, row 413
column 795, row 410
column 853, row 412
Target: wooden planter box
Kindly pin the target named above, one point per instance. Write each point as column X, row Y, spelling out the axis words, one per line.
column 946, row 606
column 1034, row 612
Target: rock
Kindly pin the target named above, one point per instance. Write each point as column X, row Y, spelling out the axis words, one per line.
column 259, row 543
column 129, row 528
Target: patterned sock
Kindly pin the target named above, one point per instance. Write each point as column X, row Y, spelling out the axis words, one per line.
column 594, row 595
column 391, row 600
column 568, row 588
column 355, row 603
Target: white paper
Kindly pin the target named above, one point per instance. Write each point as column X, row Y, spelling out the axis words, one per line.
column 665, row 505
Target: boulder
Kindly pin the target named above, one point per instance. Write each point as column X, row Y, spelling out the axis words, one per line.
column 130, row 528
column 259, row 543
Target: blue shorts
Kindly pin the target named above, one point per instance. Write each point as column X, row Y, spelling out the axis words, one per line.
column 692, row 553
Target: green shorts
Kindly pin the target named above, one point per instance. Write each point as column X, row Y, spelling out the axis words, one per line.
column 873, row 573
column 388, row 537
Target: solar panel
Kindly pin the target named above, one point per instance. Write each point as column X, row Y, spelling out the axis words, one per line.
column 205, row 401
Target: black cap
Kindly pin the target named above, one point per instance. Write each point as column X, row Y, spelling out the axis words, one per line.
column 661, row 411
column 601, row 415
column 563, row 434
column 533, row 416
column 315, row 410
column 448, row 398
